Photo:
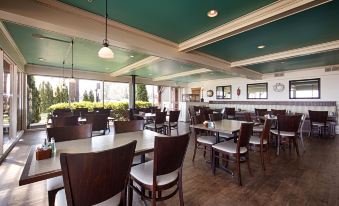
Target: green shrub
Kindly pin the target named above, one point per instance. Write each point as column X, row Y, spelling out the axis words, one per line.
column 119, row 109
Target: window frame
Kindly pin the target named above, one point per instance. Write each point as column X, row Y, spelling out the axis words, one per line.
column 265, row 83
column 223, row 92
column 319, row 88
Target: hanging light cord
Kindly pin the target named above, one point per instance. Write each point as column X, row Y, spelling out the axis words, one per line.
column 106, row 41
column 72, row 56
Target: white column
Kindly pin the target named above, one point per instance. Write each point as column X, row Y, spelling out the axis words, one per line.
column 14, row 102
column 1, row 101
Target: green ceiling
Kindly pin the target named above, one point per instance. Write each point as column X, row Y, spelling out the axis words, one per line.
column 85, row 52
column 175, row 20
column 313, row 26
column 161, row 68
column 315, row 60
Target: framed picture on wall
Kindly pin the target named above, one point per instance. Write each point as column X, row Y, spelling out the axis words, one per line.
column 224, row 92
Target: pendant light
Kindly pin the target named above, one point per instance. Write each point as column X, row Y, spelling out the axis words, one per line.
column 72, row 77
column 63, row 76
column 105, row 52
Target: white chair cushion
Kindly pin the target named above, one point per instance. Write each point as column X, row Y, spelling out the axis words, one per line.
column 60, row 199
column 225, row 135
column 256, row 140
column 207, row 139
column 153, row 126
column 144, row 174
column 229, row 147
column 318, row 124
column 282, row 133
column 55, row 183
column 258, row 129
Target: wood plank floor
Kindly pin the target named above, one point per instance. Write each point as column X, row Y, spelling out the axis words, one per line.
column 312, row 179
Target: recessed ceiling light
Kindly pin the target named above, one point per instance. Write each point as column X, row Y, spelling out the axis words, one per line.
column 41, row 59
column 131, row 56
column 282, row 62
column 107, row 68
column 150, row 74
column 212, row 13
column 261, row 46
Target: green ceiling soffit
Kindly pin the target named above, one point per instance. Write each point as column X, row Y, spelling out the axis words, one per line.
column 85, row 52
column 313, row 26
column 213, row 75
column 162, row 68
column 314, row 60
column 175, row 20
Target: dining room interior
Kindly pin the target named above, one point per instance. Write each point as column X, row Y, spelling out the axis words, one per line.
column 160, row 102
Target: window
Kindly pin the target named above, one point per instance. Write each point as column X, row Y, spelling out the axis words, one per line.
column 305, row 89
column 257, row 91
column 116, row 92
column 224, row 92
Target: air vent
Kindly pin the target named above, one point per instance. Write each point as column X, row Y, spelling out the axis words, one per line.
column 332, row 69
column 279, row 74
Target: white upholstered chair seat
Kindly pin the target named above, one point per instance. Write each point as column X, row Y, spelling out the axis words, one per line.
column 282, row 133
column 152, row 126
column 144, row 174
column 229, row 147
column 318, row 124
column 225, row 135
column 60, row 199
column 207, row 139
column 256, row 140
column 55, row 183
column 258, row 128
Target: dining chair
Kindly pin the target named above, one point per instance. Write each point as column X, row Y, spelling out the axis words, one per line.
column 234, row 152
column 318, row 120
column 288, row 126
column 260, row 113
column 215, row 117
column 277, row 112
column 205, row 112
column 99, row 122
column 103, row 180
column 62, row 121
column 161, row 174
column 61, row 134
column 158, row 124
column 62, row 112
column 230, row 112
column 262, row 142
column 80, row 111
column 202, row 141
column 173, row 122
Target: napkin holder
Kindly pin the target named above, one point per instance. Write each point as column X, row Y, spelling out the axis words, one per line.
column 41, row 154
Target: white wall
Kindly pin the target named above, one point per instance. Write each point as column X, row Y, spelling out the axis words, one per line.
column 329, row 85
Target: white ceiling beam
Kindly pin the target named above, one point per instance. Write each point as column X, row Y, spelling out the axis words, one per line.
column 181, row 74
column 304, row 51
column 67, row 20
column 135, row 66
column 272, row 12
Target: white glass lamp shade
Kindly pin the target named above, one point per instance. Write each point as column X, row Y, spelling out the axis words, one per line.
column 106, row 53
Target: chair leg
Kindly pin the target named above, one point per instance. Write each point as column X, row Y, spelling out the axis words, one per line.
column 302, row 141
column 181, row 194
column 296, row 145
column 213, row 161
column 154, row 198
column 289, row 144
column 130, row 193
column 238, row 171
column 204, row 151
column 178, row 130
column 262, row 157
column 195, row 151
column 51, row 197
column 278, row 144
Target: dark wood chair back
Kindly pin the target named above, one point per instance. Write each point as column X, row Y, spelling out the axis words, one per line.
column 146, row 110
column 246, row 130
column 62, row 121
column 103, row 111
column 289, row 123
column 98, row 121
column 164, row 109
column 160, row 118
column 169, row 153
column 61, row 134
column 247, row 117
column 229, row 111
column 277, row 112
column 128, row 126
column 215, row 117
column 260, row 112
column 318, row 116
column 174, row 116
column 80, row 111
column 205, row 112
column 266, row 130
column 153, row 109
column 198, row 119
column 103, row 174
column 62, row 112
column 196, row 108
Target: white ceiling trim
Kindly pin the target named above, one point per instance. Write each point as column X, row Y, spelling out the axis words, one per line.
column 275, row 11
column 318, row 48
column 135, row 66
column 74, row 22
column 182, row 74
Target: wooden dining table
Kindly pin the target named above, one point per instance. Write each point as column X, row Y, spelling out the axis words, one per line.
column 38, row 170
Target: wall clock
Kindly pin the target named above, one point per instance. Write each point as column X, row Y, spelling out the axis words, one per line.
column 278, row 87
column 210, row 93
